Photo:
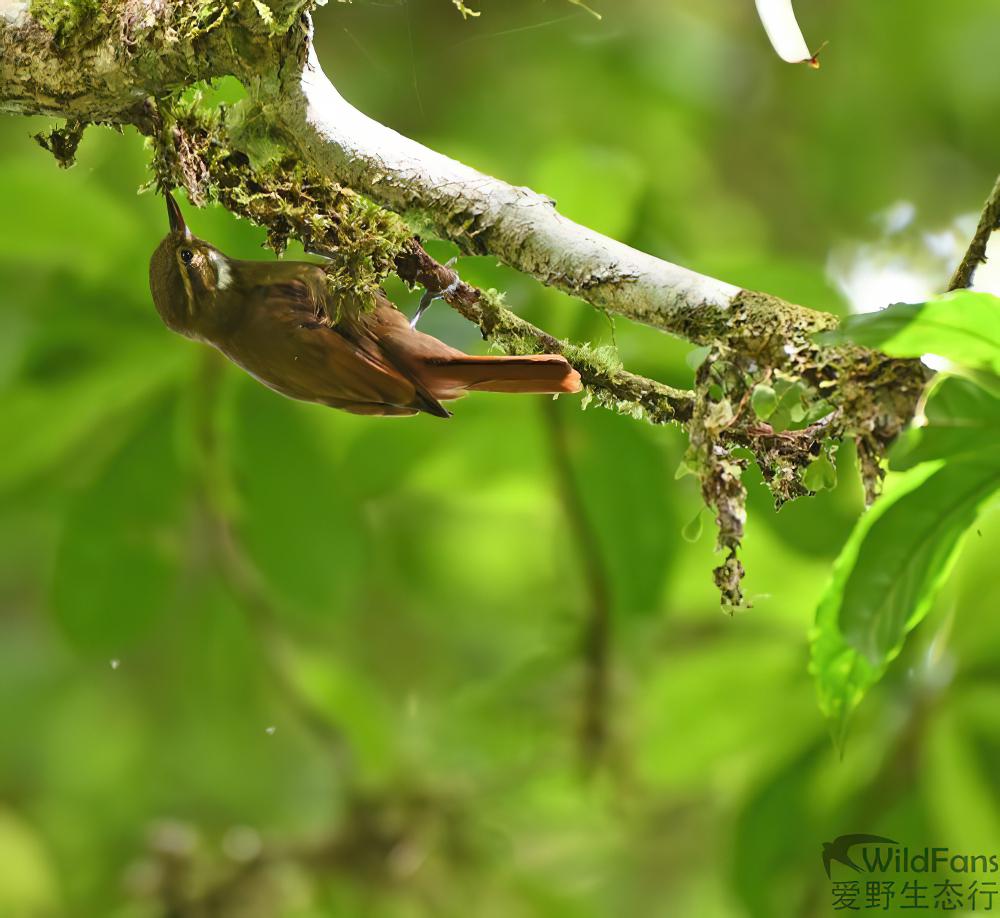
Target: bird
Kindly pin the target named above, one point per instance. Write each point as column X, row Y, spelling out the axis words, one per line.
column 838, row 850
column 280, row 323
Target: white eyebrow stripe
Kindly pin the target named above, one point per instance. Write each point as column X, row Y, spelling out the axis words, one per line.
column 223, row 273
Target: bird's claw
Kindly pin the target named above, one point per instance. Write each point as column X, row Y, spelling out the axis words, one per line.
column 441, row 294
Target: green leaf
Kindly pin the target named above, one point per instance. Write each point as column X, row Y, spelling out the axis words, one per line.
column 635, row 526
column 692, row 531
column 789, row 408
column 46, row 418
column 887, row 576
column 684, row 469
column 780, row 419
column 695, row 358
column 764, row 401
column 963, row 326
column 118, row 554
column 821, row 474
column 907, row 551
column 298, row 509
column 962, row 419
column 42, row 239
column 817, row 410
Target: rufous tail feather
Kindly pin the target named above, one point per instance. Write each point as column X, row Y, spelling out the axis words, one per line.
column 539, row 374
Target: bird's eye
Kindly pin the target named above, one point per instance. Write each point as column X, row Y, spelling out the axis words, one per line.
column 186, row 256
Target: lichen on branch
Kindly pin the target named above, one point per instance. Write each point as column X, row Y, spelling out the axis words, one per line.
column 205, row 151
column 195, row 148
column 297, row 159
column 815, row 398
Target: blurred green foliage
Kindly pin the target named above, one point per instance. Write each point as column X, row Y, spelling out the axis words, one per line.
column 902, row 550
column 261, row 658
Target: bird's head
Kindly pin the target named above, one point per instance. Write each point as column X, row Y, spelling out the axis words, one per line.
column 185, row 276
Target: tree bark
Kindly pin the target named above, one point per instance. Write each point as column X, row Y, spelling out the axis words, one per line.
column 101, row 65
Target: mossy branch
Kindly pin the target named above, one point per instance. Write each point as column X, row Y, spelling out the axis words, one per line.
column 975, row 255
column 197, row 150
column 299, row 160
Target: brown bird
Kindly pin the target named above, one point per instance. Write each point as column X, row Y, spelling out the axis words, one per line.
column 279, row 322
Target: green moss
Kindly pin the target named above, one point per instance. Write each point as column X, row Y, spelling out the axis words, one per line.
column 62, row 142
column 274, row 20
column 200, row 17
column 827, row 394
column 196, row 149
column 599, row 361
column 69, row 21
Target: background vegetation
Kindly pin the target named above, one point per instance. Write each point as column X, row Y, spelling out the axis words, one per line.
column 262, row 658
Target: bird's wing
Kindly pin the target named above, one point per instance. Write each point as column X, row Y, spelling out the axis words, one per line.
column 384, row 336
column 288, row 344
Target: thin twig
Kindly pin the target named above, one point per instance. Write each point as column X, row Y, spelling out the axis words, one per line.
column 611, row 386
column 975, row 255
column 595, row 639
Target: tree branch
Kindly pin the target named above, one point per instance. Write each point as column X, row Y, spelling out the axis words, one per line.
column 606, row 382
column 297, row 158
column 483, row 215
column 98, row 63
column 975, row 255
column 362, row 244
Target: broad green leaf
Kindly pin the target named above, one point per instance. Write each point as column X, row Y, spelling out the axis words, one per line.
column 962, row 419
column 887, row 576
column 119, row 551
column 907, row 551
column 298, row 510
column 42, row 238
column 46, row 419
column 963, row 326
column 623, row 478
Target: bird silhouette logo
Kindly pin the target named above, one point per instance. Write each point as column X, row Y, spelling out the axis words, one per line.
column 839, row 849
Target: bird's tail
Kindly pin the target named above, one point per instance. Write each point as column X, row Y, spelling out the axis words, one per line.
column 539, row 373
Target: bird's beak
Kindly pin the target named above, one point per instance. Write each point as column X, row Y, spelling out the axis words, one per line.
column 177, row 224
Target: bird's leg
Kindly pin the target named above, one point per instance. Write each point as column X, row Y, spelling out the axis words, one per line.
column 441, row 294
column 317, row 248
